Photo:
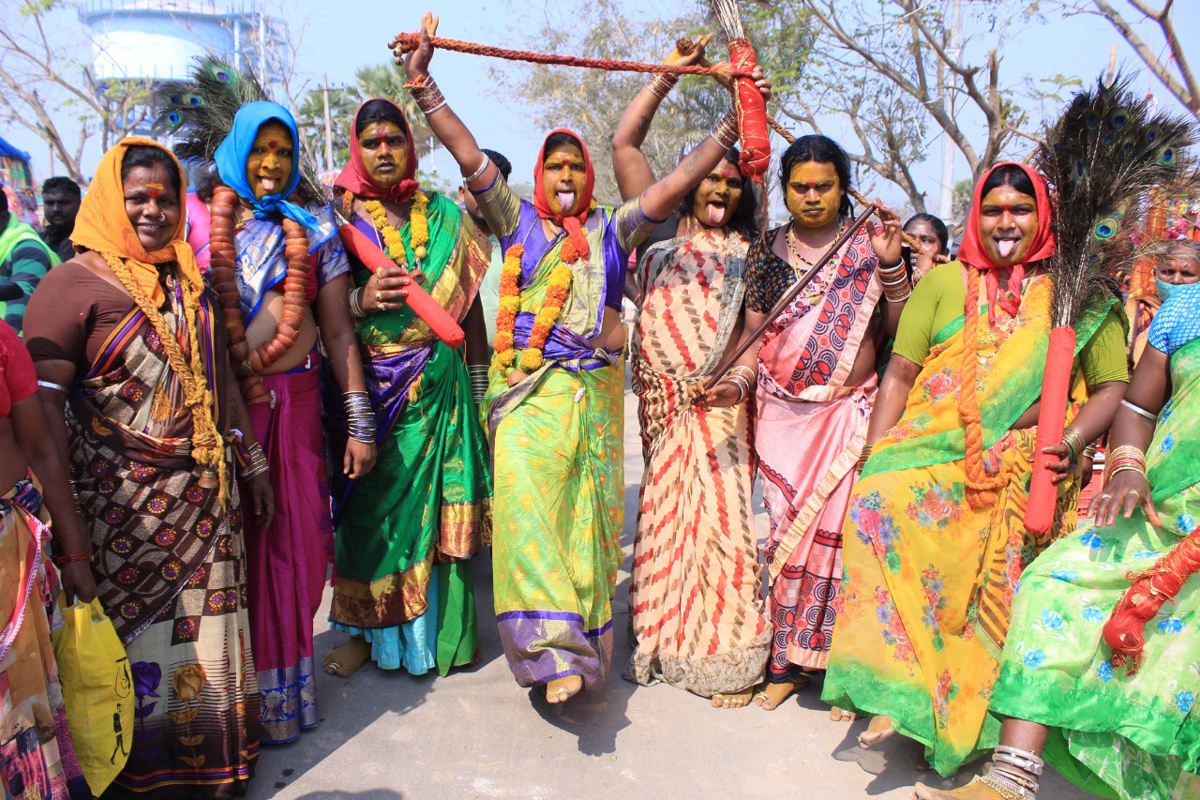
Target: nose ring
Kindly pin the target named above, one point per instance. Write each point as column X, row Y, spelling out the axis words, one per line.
column 162, row 216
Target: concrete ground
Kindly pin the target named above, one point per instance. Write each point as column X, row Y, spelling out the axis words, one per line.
column 476, row 734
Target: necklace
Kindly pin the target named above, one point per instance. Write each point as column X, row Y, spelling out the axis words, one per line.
column 418, row 229
column 793, row 243
column 816, row 287
column 557, row 289
column 250, row 364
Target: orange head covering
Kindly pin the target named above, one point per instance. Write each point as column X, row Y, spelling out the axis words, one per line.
column 572, row 224
column 971, row 251
column 103, row 225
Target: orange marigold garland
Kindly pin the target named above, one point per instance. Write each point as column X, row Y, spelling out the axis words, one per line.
column 510, row 302
column 547, row 315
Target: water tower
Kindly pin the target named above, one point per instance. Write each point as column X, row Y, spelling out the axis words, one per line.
column 157, row 40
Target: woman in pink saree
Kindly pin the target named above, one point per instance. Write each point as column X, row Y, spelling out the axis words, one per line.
column 816, row 385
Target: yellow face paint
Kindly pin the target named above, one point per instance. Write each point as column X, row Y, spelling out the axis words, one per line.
column 814, row 194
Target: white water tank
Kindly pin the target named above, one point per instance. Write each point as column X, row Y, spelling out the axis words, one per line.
column 159, row 39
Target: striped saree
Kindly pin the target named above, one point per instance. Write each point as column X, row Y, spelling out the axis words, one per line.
column 696, row 616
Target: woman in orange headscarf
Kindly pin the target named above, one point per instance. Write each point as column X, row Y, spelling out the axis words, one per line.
column 934, row 538
column 127, row 335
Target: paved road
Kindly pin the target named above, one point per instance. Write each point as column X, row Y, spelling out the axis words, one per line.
column 476, row 734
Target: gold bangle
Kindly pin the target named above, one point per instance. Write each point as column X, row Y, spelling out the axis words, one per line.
column 425, row 91
column 661, row 85
column 726, row 131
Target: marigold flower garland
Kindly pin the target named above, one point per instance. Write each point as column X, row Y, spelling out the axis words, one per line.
column 418, row 221
column 510, row 303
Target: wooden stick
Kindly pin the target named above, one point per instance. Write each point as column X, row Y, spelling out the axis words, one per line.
column 789, row 296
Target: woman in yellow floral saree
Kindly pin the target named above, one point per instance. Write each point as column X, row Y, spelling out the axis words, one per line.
column 934, row 538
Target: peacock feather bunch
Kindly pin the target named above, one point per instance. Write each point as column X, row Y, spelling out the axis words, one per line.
column 1106, row 158
column 197, row 114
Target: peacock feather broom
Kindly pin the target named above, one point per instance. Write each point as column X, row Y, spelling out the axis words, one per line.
column 1104, row 159
column 198, row 114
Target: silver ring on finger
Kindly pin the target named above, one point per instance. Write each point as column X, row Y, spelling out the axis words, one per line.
column 1133, row 492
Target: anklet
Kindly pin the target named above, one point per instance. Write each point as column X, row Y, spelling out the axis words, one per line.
column 1009, row 790
column 1025, row 760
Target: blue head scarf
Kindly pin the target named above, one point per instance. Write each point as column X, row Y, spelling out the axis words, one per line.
column 235, row 149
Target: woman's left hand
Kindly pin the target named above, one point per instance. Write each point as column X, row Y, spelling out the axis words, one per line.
column 359, row 460
column 77, row 582
column 886, row 240
column 760, row 80
column 725, row 394
column 416, row 64
column 1061, row 466
column 262, row 500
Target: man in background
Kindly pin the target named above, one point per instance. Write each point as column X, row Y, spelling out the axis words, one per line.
column 489, row 289
column 24, row 260
column 60, row 204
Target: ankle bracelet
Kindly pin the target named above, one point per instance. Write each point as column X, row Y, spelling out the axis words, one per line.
column 1008, row 789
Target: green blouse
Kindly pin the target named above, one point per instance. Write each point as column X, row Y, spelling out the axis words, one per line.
column 934, row 313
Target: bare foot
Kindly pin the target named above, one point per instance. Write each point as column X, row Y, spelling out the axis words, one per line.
column 346, row 660
column 879, row 730
column 769, row 698
column 560, row 690
column 841, row 715
column 732, row 699
column 975, row 790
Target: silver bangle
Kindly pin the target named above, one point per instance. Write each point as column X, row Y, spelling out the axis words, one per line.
column 356, row 309
column 1131, row 406
column 53, row 385
column 478, row 172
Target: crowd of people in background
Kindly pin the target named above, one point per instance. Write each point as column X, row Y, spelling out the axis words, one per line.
column 208, row 398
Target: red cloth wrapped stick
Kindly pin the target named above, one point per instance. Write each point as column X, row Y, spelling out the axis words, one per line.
column 1125, row 630
column 751, row 111
column 439, row 321
column 1052, row 418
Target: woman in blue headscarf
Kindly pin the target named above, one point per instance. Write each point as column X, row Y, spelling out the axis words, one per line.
column 282, row 277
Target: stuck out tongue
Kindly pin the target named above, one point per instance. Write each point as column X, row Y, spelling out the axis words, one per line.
column 715, row 214
column 1006, row 247
column 566, row 200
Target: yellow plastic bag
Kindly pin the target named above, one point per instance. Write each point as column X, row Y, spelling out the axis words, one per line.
column 97, row 690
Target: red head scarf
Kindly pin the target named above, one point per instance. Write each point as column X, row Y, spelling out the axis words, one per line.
column 573, row 224
column 355, row 177
column 971, row 251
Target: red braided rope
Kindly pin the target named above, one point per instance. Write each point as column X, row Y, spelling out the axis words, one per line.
column 405, row 43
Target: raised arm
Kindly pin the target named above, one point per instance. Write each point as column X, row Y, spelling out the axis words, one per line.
column 444, row 123
column 661, row 198
column 630, row 165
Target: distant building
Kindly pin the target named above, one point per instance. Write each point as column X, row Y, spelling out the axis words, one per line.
column 158, row 40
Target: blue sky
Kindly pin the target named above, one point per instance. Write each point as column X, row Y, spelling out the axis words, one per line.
column 338, row 38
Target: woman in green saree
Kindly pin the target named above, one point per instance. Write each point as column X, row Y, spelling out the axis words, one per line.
column 1115, row 730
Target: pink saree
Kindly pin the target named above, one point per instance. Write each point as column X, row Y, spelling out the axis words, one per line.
column 811, row 428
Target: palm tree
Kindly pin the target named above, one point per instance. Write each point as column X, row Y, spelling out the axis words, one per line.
column 382, row 80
